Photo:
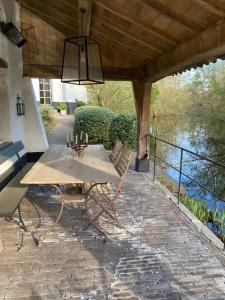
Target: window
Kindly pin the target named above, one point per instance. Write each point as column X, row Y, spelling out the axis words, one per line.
column 45, row 91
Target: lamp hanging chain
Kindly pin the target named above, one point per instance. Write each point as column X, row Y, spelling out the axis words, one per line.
column 82, row 11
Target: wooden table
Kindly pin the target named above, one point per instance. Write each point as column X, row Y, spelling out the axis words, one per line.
column 57, row 167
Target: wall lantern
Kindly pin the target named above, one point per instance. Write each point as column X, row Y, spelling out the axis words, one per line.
column 20, row 107
column 13, row 34
column 82, row 62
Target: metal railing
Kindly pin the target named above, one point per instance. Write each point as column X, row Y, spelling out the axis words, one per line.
column 180, row 168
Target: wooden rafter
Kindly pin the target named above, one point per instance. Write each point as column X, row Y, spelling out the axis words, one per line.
column 122, row 13
column 117, row 42
column 211, row 7
column 125, row 31
column 71, row 4
column 128, row 41
column 48, row 11
column 157, row 6
column 47, row 17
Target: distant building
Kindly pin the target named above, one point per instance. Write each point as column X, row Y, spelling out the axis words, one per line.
column 52, row 91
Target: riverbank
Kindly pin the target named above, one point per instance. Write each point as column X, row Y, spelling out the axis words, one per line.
column 166, row 180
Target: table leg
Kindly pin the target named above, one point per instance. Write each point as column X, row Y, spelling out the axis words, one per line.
column 52, row 226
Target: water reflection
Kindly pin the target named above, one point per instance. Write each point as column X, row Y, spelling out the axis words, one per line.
column 204, row 136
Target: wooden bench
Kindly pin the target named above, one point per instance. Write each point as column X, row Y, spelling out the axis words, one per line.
column 12, row 194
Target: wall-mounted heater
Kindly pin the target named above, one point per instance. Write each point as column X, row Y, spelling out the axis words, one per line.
column 13, row 34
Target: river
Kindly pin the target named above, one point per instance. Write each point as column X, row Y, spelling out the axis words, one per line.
column 204, row 136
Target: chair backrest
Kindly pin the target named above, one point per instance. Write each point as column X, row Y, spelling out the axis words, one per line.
column 116, row 152
column 123, row 161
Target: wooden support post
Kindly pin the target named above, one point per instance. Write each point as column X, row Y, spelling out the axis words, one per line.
column 142, row 93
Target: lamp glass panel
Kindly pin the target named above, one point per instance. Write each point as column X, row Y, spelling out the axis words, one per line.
column 71, row 62
column 94, row 61
column 83, row 59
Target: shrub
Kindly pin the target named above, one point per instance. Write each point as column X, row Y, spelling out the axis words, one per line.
column 95, row 121
column 46, row 112
column 124, row 128
column 47, row 116
column 80, row 104
column 83, row 107
column 61, row 106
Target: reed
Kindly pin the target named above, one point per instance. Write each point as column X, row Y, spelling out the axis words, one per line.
column 205, row 215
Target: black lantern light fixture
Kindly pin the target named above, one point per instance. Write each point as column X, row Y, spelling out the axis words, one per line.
column 20, row 107
column 82, row 62
column 12, row 33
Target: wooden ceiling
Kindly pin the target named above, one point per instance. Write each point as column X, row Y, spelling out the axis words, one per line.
column 147, row 39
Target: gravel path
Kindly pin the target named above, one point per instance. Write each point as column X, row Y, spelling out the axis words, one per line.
column 58, row 134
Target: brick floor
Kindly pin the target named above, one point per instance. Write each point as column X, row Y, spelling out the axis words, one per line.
column 159, row 255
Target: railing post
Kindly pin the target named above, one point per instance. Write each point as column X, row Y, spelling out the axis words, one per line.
column 154, row 160
column 147, row 146
column 180, row 174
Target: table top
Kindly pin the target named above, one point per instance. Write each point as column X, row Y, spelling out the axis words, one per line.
column 57, row 166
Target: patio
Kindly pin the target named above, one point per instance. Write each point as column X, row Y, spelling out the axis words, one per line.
column 160, row 255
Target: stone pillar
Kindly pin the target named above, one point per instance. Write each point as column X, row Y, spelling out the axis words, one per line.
column 142, row 93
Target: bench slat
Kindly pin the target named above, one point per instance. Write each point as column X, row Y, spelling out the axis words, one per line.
column 13, row 193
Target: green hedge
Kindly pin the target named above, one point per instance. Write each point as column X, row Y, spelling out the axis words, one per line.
column 83, row 107
column 61, row 106
column 95, row 121
column 80, row 103
column 124, row 128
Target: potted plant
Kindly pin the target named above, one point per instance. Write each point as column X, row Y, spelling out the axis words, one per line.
column 62, row 107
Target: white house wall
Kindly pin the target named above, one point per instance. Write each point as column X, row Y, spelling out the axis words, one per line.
column 60, row 92
column 12, row 127
column 35, row 137
column 28, row 128
column 67, row 92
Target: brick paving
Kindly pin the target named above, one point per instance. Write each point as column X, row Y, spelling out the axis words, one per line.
column 159, row 255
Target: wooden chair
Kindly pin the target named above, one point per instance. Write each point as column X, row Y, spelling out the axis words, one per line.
column 116, row 152
column 100, row 199
column 114, row 157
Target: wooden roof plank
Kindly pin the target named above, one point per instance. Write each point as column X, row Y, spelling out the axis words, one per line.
column 48, row 17
column 125, row 31
column 124, row 15
column 126, row 40
column 212, row 8
column 171, row 14
column 122, row 45
column 53, row 13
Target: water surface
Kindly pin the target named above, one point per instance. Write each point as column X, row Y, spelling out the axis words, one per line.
column 204, row 136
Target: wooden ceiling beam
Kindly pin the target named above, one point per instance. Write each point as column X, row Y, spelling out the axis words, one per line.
column 123, row 14
column 125, row 31
column 203, row 47
column 211, row 7
column 86, row 4
column 54, row 72
column 155, row 5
